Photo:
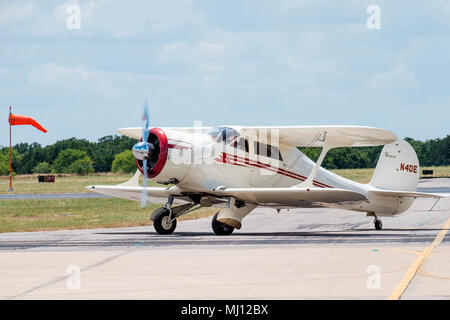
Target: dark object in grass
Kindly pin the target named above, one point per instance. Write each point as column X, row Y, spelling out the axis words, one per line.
column 46, row 178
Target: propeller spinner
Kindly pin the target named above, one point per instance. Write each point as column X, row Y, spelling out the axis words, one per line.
column 142, row 150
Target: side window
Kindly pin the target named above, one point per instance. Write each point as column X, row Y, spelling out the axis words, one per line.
column 262, row 149
column 241, row 144
column 269, row 151
column 226, row 135
column 275, row 153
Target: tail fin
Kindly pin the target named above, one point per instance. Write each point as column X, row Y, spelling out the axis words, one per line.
column 397, row 168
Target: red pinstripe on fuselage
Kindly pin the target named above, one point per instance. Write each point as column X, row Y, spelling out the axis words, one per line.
column 245, row 162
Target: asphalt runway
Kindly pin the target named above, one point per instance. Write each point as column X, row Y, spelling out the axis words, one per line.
column 296, row 254
column 48, row 196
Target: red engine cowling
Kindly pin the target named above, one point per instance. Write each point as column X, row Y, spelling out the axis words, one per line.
column 158, row 157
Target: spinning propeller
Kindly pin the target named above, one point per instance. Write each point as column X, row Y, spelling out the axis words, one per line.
column 142, row 151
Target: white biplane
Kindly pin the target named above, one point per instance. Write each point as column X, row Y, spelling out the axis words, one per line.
column 240, row 167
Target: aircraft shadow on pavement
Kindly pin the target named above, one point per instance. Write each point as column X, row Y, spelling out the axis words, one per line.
column 152, row 239
column 145, row 239
column 350, row 236
column 312, row 233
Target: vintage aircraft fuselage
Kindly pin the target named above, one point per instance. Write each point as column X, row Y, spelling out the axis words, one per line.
column 239, row 168
column 210, row 159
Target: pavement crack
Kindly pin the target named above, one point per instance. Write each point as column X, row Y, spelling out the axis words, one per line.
column 61, row 278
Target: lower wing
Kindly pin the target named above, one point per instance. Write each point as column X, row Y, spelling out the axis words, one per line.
column 291, row 197
column 155, row 194
column 264, row 196
column 295, row 197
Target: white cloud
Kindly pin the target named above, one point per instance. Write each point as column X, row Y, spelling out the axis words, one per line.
column 300, row 57
column 101, row 18
column 76, row 78
column 192, row 53
column 211, row 67
column 109, row 85
column 172, row 51
column 211, row 79
column 176, row 14
column 217, row 45
column 398, row 77
column 309, row 65
column 15, row 13
column 50, row 73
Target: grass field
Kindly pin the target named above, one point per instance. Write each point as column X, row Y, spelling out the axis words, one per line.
column 37, row 215
column 63, row 183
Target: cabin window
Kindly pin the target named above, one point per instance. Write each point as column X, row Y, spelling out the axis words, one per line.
column 214, row 132
column 223, row 134
column 241, row 144
column 266, row 150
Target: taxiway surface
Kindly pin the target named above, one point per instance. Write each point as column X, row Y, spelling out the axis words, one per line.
column 296, row 254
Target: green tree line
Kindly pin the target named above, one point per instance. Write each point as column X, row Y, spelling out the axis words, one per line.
column 60, row 156
column 112, row 153
column 434, row 152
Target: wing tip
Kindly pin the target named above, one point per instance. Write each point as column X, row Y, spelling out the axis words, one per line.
column 132, row 132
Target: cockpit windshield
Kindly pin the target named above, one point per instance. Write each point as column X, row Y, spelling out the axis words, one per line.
column 223, row 134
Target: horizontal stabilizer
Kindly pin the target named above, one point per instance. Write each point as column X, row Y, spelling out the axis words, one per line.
column 412, row 194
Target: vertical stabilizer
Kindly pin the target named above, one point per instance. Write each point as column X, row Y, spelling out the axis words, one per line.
column 397, row 168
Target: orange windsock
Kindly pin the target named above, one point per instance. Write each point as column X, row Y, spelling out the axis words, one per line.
column 17, row 120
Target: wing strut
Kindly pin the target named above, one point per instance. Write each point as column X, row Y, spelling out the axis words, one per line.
column 327, row 147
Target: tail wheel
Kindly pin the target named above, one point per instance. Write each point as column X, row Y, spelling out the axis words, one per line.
column 219, row 228
column 162, row 223
column 378, row 224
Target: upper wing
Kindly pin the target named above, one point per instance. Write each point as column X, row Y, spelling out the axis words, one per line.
column 291, row 196
column 336, row 136
column 136, row 132
column 302, row 136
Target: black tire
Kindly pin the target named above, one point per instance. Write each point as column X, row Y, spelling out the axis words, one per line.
column 160, row 217
column 378, row 224
column 219, row 228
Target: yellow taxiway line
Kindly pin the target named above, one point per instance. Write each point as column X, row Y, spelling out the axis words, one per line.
column 412, row 270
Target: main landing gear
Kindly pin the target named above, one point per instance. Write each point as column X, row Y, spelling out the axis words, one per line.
column 219, row 228
column 163, row 222
column 165, row 218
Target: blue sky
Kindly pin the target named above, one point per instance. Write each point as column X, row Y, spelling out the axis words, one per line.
column 224, row 62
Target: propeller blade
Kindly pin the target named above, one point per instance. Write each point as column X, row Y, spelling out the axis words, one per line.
column 145, row 133
column 146, row 128
column 144, row 189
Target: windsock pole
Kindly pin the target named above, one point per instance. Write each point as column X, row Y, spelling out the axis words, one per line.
column 10, row 156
